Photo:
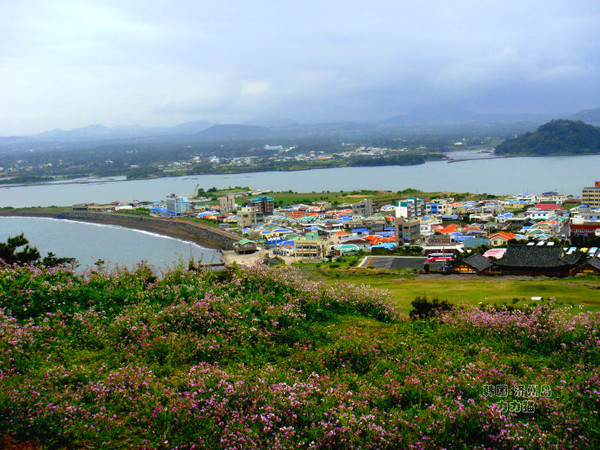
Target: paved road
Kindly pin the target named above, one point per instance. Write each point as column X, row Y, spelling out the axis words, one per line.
column 394, row 262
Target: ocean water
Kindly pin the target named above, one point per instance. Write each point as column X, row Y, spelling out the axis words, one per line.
column 89, row 243
column 565, row 174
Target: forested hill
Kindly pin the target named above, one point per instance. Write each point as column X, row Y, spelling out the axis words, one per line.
column 557, row 137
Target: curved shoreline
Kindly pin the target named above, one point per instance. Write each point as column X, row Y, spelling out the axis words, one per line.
column 199, row 234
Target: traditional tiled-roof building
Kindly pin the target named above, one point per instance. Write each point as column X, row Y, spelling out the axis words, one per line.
column 591, row 266
column 521, row 259
column 473, row 264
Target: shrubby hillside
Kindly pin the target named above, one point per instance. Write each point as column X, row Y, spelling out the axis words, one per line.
column 263, row 358
column 557, row 137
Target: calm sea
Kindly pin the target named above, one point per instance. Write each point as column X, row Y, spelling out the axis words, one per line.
column 568, row 175
column 115, row 245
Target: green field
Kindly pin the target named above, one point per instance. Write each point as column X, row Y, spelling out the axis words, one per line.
column 404, row 286
column 379, row 197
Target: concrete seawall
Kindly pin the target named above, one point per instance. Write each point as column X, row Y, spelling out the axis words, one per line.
column 180, row 229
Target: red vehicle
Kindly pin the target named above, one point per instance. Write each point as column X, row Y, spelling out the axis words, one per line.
column 440, row 257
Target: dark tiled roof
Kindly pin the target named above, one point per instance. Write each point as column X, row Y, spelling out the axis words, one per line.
column 478, row 262
column 594, row 262
column 573, row 258
column 526, row 256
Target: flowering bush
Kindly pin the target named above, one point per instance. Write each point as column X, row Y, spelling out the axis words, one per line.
column 264, row 358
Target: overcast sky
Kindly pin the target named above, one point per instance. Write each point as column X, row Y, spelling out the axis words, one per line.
column 66, row 64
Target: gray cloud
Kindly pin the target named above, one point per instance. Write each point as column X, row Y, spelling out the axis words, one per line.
column 68, row 64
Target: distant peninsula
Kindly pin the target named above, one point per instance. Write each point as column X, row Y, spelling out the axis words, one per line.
column 557, row 137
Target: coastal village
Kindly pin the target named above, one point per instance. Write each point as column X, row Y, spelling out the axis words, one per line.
column 521, row 234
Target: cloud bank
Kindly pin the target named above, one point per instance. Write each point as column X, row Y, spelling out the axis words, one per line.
column 68, row 64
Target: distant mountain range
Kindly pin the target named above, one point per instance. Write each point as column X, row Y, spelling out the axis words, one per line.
column 452, row 113
column 439, row 116
column 100, row 132
column 557, row 137
column 234, row 132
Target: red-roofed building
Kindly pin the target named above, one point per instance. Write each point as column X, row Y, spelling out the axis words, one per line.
column 466, row 230
column 297, row 214
column 452, row 228
column 544, row 206
column 587, row 229
column 339, row 236
column 501, row 238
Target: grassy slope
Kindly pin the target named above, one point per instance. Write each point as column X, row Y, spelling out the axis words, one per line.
column 265, row 359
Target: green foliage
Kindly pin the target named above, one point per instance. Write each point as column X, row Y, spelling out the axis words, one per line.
column 425, row 309
column 557, row 137
column 51, row 260
column 11, row 253
column 585, row 241
column 409, row 192
column 26, row 179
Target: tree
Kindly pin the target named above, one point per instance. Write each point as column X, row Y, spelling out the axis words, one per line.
column 10, row 255
column 51, row 260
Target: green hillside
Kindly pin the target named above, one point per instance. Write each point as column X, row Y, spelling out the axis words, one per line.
column 262, row 358
column 557, row 137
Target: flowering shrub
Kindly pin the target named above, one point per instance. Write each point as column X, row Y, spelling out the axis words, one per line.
column 545, row 327
column 264, row 358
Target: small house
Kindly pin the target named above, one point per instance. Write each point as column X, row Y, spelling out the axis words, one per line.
column 501, row 238
column 245, row 246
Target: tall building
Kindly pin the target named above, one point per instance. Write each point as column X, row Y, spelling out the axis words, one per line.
column 247, row 217
column 227, row 202
column 265, row 205
column 308, row 249
column 177, row 205
column 442, row 206
column 407, row 230
column 410, row 208
column 363, row 208
column 591, row 195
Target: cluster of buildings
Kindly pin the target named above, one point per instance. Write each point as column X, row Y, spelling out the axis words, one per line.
column 280, row 154
column 442, row 227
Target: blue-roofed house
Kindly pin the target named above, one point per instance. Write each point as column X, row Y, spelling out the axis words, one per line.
column 502, row 218
column 158, row 210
